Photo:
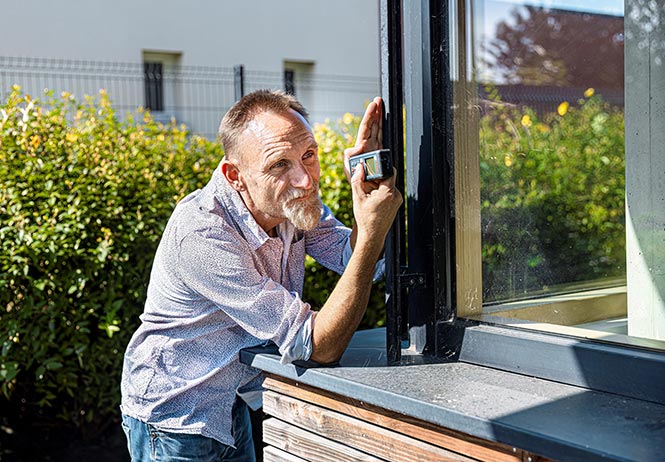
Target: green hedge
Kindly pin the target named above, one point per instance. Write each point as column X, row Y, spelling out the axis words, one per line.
column 84, row 200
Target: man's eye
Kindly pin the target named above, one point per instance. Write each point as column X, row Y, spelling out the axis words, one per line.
column 280, row 164
column 309, row 155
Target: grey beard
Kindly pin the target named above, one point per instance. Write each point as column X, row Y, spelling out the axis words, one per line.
column 304, row 216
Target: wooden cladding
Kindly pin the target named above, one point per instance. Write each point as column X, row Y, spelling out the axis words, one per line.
column 309, row 424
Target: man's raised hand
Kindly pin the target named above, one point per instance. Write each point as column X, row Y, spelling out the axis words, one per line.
column 370, row 133
column 375, row 204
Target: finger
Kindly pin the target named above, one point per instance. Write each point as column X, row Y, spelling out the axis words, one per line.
column 350, row 152
column 367, row 125
column 358, row 178
column 377, row 125
column 380, row 124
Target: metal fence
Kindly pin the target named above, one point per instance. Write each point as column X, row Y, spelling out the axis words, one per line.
column 197, row 96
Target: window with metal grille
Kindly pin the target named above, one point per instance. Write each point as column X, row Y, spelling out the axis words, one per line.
column 289, row 81
column 154, row 86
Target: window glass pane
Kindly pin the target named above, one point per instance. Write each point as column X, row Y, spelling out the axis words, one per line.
column 549, row 120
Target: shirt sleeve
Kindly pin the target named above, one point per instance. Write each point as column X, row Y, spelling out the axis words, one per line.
column 219, row 266
column 330, row 244
column 301, row 348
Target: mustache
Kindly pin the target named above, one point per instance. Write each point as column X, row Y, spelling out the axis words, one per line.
column 296, row 193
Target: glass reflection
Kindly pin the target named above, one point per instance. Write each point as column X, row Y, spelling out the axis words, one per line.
column 551, row 144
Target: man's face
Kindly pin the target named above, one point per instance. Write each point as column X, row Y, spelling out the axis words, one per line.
column 279, row 168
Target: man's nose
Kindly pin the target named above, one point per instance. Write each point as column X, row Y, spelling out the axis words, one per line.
column 301, row 178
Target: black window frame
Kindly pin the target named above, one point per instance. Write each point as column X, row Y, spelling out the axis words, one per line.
column 421, row 280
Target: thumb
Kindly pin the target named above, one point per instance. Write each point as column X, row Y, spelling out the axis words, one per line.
column 350, row 152
column 358, row 178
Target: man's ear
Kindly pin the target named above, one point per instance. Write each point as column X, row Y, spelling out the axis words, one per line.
column 232, row 174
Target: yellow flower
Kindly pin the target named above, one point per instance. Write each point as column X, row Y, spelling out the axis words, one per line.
column 588, row 93
column 348, row 118
column 508, row 160
column 71, row 137
column 526, row 120
column 563, row 108
column 35, row 140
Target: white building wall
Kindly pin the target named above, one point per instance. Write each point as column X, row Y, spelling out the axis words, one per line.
column 338, row 38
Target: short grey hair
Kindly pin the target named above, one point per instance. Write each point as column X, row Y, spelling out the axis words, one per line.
column 247, row 108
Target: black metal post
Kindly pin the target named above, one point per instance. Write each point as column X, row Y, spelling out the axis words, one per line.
column 239, row 81
column 443, row 181
column 393, row 138
column 417, row 99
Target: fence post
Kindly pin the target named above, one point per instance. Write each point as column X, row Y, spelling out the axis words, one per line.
column 239, row 81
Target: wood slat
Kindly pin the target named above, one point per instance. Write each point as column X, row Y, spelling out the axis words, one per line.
column 312, row 447
column 358, row 434
column 272, row 454
column 445, row 438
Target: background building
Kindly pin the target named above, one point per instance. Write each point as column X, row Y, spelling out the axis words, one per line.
column 177, row 58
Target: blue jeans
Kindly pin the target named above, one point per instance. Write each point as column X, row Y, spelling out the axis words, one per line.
column 146, row 443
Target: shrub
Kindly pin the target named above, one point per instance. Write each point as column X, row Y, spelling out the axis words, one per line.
column 84, row 200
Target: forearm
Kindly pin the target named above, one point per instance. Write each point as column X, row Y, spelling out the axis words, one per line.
column 354, row 235
column 341, row 314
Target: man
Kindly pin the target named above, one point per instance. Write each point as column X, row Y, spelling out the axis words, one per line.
column 228, row 274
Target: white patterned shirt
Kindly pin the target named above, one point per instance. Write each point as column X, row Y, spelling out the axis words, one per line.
column 219, row 283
